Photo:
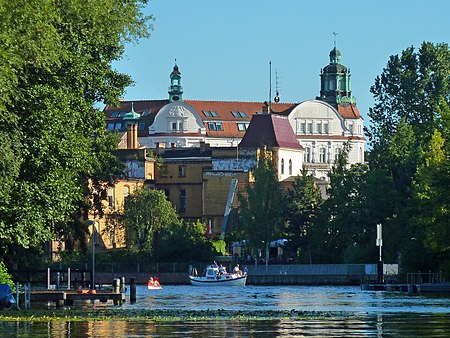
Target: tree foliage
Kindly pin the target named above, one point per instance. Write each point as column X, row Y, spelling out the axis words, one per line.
column 262, row 205
column 409, row 147
column 55, row 65
column 148, row 213
column 184, row 242
column 303, row 201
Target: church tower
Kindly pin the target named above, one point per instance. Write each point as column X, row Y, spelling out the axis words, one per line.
column 335, row 81
column 175, row 89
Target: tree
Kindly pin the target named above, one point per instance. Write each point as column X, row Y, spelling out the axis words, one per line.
column 55, row 65
column 431, row 193
column 184, row 242
column 147, row 213
column 262, row 206
column 409, row 96
column 303, row 201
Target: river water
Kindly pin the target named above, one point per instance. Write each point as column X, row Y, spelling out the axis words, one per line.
column 333, row 311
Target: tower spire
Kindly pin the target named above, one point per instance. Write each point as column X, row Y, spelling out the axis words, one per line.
column 175, row 88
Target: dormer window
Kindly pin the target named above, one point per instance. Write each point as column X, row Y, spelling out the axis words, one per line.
column 242, row 126
column 239, row 114
column 215, row 125
column 210, row 113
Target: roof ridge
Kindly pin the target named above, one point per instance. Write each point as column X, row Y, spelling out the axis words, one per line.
column 231, row 101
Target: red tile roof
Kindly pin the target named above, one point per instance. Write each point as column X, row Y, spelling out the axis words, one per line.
column 349, row 111
column 270, row 130
column 224, row 109
column 223, row 113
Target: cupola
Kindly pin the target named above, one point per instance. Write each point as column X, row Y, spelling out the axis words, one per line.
column 175, row 89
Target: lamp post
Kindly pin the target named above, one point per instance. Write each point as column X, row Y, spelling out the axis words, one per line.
column 379, row 243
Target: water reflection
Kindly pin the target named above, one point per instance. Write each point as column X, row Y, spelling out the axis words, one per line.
column 333, row 311
column 406, row 325
column 322, row 299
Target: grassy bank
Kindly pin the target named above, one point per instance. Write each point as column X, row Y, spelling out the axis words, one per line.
column 161, row 315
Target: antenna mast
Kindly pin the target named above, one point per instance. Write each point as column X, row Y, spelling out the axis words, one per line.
column 277, row 94
column 270, row 85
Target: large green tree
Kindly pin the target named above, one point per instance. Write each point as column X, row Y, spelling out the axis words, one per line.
column 184, row 242
column 408, row 97
column 55, row 66
column 431, row 193
column 262, row 206
column 148, row 213
column 303, row 201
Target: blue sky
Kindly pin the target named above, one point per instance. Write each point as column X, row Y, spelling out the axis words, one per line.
column 223, row 48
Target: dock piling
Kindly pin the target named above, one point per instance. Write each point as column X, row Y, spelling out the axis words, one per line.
column 132, row 289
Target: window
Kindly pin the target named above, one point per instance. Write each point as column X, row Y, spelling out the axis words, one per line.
column 121, row 114
column 141, row 125
column 174, row 126
column 180, row 125
column 111, row 198
column 290, row 167
column 215, row 125
column 282, row 166
column 126, row 191
column 118, row 126
column 337, row 154
column 111, row 126
column 319, row 127
column 210, row 113
column 239, row 114
column 115, row 114
column 146, row 112
column 307, row 156
column 181, row 171
column 242, row 126
column 303, row 127
column 325, row 128
column 350, row 129
column 322, row 155
column 182, row 204
column 309, row 128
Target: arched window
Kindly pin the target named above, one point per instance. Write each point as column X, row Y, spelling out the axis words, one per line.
column 126, row 191
column 322, row 155
column 282, row 166
column 290, row 167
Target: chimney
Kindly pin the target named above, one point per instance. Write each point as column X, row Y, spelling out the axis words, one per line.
column 265, row 108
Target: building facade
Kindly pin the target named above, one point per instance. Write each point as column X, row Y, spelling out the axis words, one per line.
column 209, row 147
column 322, row 126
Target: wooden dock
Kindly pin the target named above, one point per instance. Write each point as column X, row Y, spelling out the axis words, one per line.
column 68, row 297
column 410, row 288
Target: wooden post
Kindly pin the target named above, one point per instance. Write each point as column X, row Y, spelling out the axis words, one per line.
column 68, row 278
column 48, row 278
column 132, row 289
column 122, row 285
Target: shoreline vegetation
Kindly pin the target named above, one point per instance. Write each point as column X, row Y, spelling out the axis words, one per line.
column 43, row 315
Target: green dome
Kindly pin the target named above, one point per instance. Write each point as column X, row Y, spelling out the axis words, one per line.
column 132, row 115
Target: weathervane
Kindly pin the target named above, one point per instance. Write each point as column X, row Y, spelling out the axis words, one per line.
column 335, row 34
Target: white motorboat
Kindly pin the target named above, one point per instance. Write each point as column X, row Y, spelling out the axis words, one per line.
column 214, row 277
